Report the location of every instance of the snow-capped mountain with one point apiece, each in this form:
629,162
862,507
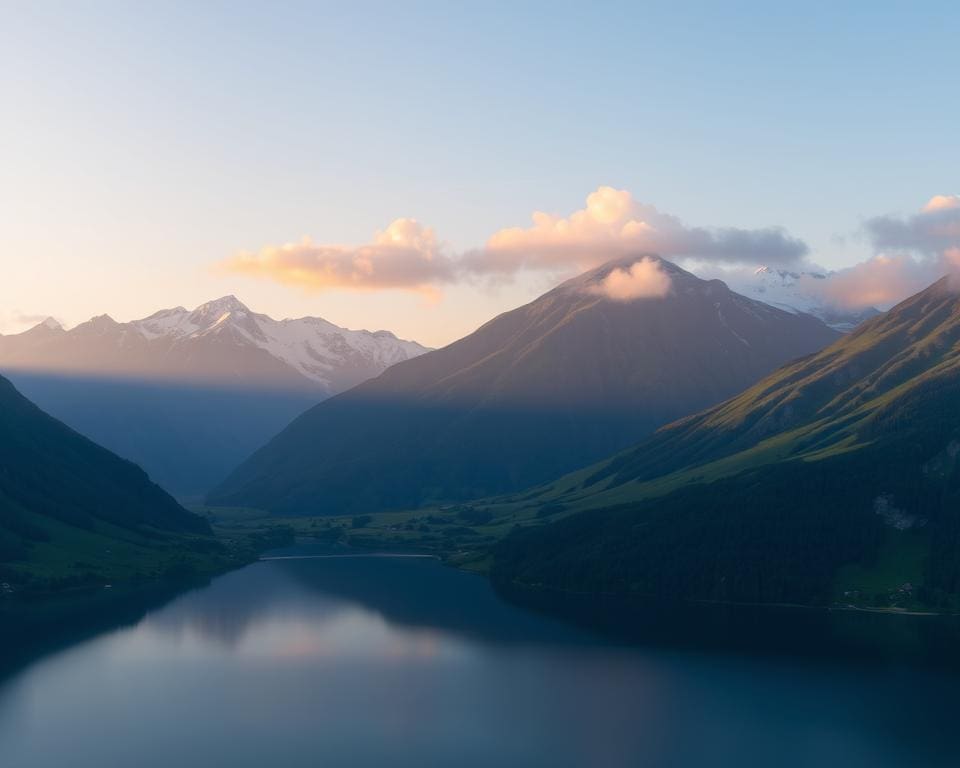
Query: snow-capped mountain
800,292
221,341
190,394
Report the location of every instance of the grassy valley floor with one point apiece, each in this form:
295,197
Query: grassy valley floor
464,536
105,557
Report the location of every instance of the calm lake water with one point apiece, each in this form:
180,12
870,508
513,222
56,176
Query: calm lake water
373,661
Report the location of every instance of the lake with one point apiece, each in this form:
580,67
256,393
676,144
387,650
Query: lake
399,661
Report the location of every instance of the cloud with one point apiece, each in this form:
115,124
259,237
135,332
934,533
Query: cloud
644,279
910,253
406,255
16,321
931,232
24,318
942,203
613,224
880,282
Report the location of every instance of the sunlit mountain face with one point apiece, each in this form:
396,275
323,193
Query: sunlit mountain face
189,394
221,343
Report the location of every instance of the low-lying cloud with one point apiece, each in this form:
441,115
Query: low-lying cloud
878,282
408,255
912,252
644,279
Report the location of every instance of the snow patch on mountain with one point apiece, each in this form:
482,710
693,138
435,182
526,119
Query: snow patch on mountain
797,292
312,346
219,340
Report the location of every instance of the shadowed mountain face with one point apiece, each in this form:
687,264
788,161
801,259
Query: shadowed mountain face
535,392
837,475
55,484
189,394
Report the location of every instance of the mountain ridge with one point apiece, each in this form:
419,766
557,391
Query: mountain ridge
573,370
188,394
220,341
836,477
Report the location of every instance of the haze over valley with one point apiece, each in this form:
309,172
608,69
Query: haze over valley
189,394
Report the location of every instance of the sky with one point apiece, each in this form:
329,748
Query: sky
380,164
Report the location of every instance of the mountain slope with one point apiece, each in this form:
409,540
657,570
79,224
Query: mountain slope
536,391
57,486
841,463
188,395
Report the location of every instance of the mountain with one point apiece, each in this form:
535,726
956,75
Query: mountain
836,478
69,507
584,370
798,292
189,394
221,342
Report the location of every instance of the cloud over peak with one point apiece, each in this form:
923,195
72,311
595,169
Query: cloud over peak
644,279
408,256
613,224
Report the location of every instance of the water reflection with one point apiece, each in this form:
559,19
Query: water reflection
401,591
372,662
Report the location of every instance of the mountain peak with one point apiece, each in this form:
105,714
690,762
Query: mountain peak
596,276
229,303
101,322
50,324
798,292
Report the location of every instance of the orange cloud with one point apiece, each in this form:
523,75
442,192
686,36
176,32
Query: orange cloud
613,224
879,282
913,252
406,256
942,203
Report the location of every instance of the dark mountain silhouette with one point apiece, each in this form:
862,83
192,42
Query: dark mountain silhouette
63,495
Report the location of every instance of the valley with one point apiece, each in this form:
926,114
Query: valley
536,385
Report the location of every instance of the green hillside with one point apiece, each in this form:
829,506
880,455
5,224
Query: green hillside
832,480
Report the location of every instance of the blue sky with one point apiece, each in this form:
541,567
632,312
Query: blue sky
142,145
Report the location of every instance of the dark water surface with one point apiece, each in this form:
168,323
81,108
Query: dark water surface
373,661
